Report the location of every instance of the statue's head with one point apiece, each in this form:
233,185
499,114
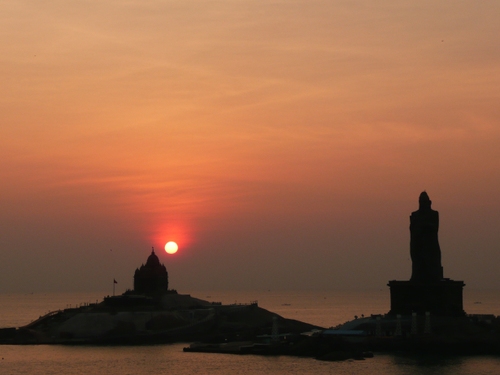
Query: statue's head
424,200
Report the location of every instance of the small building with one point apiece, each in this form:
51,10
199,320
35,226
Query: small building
152,277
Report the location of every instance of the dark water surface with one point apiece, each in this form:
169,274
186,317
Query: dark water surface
169,359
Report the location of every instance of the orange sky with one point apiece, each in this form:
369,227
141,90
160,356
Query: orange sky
283,144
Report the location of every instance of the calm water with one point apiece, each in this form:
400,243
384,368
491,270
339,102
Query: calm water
321,308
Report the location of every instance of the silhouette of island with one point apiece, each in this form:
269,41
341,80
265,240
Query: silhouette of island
151,313
426,316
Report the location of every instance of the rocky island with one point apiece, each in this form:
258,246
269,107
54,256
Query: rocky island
151,313
426,315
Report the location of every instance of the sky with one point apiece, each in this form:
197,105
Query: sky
282,144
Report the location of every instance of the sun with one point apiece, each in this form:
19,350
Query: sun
171,247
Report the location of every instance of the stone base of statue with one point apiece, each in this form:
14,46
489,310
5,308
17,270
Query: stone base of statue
442,298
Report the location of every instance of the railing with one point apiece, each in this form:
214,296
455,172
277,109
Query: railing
40,319
251,303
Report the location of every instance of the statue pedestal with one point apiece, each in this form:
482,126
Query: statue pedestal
443,298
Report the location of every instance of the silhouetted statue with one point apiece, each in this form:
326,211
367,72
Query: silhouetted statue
424,245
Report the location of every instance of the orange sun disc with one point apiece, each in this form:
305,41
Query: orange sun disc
171,247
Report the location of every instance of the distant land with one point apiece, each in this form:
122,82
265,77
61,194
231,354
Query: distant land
426,315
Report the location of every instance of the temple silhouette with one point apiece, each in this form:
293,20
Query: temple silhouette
427,291
152,277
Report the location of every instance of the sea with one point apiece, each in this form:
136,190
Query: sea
322,308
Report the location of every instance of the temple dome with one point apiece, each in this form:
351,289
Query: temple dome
153,260
152,277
